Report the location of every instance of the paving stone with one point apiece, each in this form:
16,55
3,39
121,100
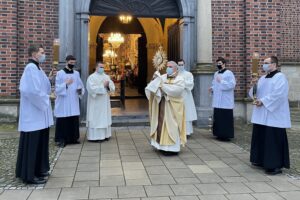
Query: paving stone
184,198
159,191
156,198
113,171
63,173
90,153
85,183
110,156
292,195
234,179
232,188
209,178
59,182
88,167
182,173
260,187
267,196
223,172
193,161
15,194
132,165
240,197
152,162
161,179
112,181
45,194
175,165
200,169
216,164
187,180
87,176
110,163
144,181
66,164
185,190
255,177
88,160
157,170
135,174
210,189
128,158
131,191
69,157
103,192
212,197
74,193
283,186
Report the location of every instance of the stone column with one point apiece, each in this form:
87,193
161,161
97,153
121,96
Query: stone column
84,58
203,72
66,29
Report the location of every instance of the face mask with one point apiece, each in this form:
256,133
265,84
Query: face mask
101,70
42,58
266,67
219,67
181,68
169,70
71,66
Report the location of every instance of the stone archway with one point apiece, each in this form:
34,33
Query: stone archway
74,28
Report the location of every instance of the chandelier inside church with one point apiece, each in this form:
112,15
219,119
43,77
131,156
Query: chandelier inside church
115,39
125,19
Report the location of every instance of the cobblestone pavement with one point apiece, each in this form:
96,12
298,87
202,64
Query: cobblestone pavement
126,167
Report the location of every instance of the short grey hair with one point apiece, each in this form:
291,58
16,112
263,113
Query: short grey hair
173,63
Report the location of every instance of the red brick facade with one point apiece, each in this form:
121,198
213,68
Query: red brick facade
240,27
24,22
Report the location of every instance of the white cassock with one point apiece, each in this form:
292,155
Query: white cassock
35,104
273,92
67,98
167,115
190,109
98,107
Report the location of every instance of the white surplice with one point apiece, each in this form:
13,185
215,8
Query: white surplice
35,105
98,118
190,109
67,97
223,92
275,111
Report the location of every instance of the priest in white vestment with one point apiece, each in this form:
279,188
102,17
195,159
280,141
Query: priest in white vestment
222,90
270,118
190,109
35,119
98,119
68,89
166,110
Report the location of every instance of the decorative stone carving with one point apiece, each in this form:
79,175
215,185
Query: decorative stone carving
139,8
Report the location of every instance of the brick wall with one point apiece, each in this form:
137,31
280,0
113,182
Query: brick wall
290,18
241,27
36,22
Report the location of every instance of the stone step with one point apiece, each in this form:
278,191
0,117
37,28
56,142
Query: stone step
130,120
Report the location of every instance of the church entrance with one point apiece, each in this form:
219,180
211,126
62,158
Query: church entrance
125,36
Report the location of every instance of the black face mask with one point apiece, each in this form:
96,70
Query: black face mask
71,66
219,67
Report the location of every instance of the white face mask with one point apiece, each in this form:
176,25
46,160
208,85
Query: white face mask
42,58
181,68
266,67
101,70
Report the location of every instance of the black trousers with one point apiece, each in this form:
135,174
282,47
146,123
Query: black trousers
269,147
223,125
33,154
67,129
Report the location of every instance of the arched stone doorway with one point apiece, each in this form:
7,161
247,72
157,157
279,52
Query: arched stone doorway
74,31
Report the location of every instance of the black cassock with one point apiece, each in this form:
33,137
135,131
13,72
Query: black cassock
67,130
223,125
33,154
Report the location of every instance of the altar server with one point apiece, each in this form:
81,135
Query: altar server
270,118
68,89
35,118
189,104
166,110
99,86
222,90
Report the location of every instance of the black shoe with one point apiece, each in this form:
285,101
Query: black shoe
169,153
273,171
107,139
44,174
36,180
